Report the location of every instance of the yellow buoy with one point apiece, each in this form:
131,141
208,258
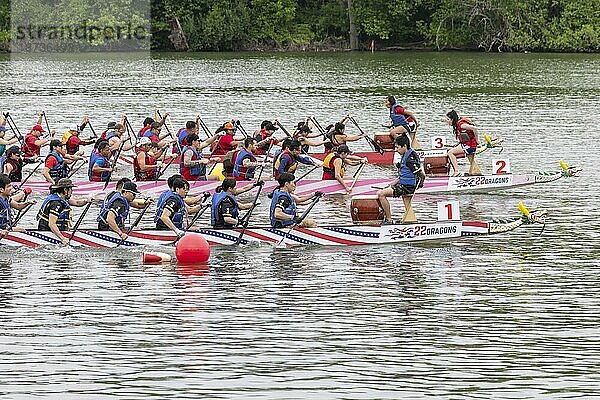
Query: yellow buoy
523,209
487,138
564,165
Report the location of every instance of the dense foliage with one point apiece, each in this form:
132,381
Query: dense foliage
490,25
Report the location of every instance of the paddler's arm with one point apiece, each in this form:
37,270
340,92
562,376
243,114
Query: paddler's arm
19,205
411,115
472,128
98,168
337,166
420,177
248,187
165,217
112,223
211,140
80,202
52,219
306,199
139,203
39,121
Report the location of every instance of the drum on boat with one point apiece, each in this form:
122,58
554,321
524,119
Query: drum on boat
439,165
366,209
384,140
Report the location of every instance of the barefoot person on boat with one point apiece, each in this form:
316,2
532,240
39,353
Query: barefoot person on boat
171,208
467,134
334,165
55,212
114,212
284,202
403,121
410,178
225,208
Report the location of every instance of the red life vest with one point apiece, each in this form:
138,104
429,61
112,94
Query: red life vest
29,149
465,136
140,175
329,167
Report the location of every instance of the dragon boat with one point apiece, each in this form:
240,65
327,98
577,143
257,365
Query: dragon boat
335,235
444,184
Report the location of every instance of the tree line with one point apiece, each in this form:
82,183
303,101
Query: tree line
487,25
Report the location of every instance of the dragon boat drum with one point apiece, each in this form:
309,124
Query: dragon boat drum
366,209
384,140
439,165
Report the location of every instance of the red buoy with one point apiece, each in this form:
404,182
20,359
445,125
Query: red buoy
155,258
192,249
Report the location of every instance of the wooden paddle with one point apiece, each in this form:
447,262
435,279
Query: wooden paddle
76,227
174,137
115,164
47,125
136,222
357,174
373,143
299,220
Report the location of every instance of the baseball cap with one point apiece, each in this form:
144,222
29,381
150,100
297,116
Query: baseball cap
270,127
130,187
38,128
144,140
74,128
228,125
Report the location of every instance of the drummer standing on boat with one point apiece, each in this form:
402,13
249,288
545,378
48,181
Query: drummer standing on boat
410,178
403,121
467,134
55,212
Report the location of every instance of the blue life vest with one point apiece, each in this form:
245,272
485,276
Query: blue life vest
290,210
120,219
397,119
2,149
238,168
64,219
95,176
60,170
405,175
196,169
216,219
111,134
176,218
5,213
2,161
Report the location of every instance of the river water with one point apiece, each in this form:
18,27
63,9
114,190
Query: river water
508,316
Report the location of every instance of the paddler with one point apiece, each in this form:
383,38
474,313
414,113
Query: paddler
403,121
224,212
140,204
467,134
156,137
72,140
227,142
7,204
284,202
192,163
55,212
334,165
191,127
337,136
56,165
171,208
115,139
145,166
287,160
245,161
147,124
3,141
115,210
264,137
410,178
33,141
99,168
13,164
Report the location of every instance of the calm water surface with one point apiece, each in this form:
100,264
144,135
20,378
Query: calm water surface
508,316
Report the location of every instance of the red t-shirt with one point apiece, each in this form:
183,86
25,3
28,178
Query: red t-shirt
29,148
51,162
224,145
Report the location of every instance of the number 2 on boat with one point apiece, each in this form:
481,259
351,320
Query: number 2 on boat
500,166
